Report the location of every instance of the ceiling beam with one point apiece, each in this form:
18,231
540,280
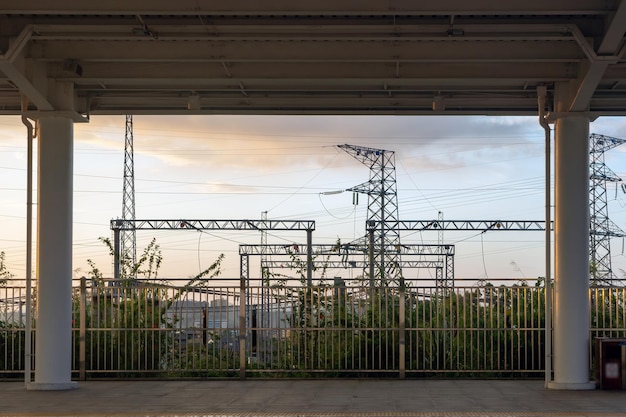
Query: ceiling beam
307,51
598,64
614,35
302,7
588,86
17,77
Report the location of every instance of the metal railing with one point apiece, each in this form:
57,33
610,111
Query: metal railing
148,330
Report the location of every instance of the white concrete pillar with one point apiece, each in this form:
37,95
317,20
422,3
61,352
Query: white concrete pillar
53,343
571,228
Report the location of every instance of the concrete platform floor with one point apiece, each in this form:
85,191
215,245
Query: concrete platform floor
310,398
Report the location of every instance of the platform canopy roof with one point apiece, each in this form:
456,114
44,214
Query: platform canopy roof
310,56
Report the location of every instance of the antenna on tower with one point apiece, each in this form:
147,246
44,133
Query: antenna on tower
128,238
601,228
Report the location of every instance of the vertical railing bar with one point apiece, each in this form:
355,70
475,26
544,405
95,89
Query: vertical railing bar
611,302
384,333
130,332
530,325
530,328
402,334
491,326
120,332
601,311
299,346
389,335
316,295
541,334
499,327
322,329
495,334
278,332
623,321
473,325
95,326
321,332
380,326
457,333
129,327
82,305
521,324
349,313
142,336
502,329
432,326
151,334
447,315
308,329
466,323
507,333
242,327
154,323
111,326
515,329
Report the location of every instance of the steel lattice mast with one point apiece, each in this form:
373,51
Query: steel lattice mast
382,208
128,238
601,228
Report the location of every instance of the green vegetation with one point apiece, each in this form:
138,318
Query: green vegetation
11,334
11,349
355,331
5,275
129,331
491,331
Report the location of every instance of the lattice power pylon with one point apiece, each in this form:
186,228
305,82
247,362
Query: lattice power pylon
601,228
128,238
382,208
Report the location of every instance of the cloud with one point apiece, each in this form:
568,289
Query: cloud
268,143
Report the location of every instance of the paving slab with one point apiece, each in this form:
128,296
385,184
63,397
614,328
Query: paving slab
310,398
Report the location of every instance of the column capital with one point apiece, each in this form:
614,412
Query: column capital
67,114
552,117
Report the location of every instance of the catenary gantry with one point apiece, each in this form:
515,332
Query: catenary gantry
226,224
118,225
478,225
446,252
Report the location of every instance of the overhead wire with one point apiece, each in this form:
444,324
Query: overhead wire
331,214
306,183
482,245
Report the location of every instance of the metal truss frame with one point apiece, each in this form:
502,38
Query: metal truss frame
119,225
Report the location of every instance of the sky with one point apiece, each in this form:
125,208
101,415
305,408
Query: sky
236,167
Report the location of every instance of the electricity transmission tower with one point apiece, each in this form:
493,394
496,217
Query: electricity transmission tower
602,229
382,210
128,238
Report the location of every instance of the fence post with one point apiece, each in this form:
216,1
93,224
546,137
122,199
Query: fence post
82,305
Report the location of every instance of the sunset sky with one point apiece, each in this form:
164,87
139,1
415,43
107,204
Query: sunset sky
235,167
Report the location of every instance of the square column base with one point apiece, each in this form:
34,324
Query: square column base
51,386
572,386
